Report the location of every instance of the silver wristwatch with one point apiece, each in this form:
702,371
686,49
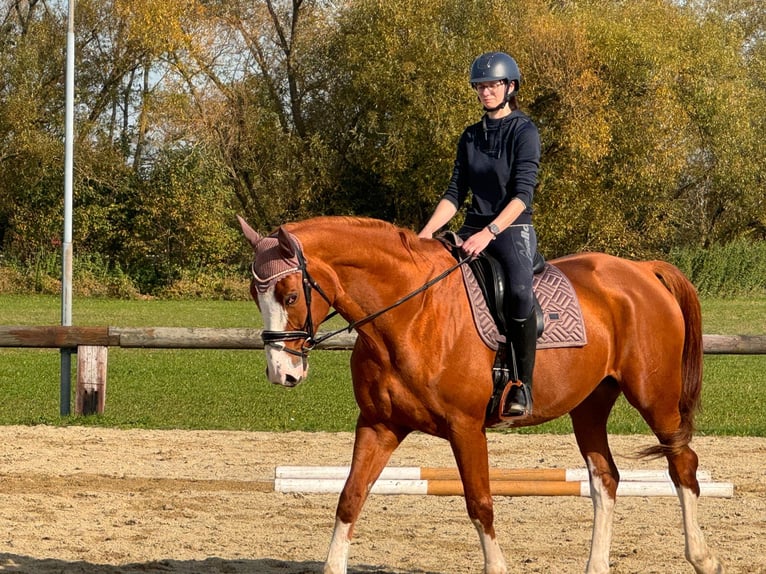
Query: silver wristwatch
493,229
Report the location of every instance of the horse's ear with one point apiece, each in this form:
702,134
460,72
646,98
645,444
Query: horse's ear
251,234
286,244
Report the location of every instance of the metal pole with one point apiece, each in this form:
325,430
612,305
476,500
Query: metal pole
66,263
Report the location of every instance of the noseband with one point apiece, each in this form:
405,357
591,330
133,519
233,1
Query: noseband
307,333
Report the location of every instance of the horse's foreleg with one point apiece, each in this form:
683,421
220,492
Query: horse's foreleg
603,489
470,449
372,448
337,554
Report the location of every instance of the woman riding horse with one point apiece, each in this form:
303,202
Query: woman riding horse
497,160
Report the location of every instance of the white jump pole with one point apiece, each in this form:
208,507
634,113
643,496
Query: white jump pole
437,473
498,487
65,384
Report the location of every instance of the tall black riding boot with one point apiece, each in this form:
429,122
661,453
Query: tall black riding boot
522,335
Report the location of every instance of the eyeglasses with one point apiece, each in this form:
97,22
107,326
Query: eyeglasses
491,86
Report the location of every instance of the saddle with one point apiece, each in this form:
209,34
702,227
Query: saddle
490,280
559,318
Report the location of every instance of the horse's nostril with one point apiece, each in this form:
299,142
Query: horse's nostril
291,380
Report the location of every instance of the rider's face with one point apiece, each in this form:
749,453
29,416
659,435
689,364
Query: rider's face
491,94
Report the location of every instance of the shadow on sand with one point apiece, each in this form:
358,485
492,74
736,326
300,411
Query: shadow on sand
13,563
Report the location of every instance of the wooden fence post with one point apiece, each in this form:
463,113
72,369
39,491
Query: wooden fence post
90,396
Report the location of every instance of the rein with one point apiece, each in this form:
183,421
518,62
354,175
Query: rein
307,334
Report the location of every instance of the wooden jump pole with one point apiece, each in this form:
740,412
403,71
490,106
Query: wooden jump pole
440,481
503,474
498,487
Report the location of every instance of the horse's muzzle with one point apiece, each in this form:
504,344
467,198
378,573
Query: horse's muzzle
283,368
289,381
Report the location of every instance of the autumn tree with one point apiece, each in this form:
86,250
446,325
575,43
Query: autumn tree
131,175
724,187
631,99
651,116
244,80
30,136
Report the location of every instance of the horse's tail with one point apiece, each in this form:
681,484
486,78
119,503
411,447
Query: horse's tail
691,367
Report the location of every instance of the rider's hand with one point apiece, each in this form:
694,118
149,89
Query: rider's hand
477,242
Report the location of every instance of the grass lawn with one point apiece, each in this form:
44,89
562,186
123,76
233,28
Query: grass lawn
227,389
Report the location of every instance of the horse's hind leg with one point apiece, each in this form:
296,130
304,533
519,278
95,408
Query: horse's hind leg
697,551
589,424
682,465
373,446
663,417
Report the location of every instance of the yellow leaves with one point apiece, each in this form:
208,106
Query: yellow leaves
159,26
557,62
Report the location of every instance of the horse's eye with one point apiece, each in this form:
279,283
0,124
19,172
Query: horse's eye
291,299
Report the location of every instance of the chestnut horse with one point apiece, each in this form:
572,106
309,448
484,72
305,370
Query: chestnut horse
420,364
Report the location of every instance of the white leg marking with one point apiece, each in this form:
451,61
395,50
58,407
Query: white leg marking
603,520
698,553
337,555
494,562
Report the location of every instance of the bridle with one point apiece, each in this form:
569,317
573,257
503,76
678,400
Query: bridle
307,333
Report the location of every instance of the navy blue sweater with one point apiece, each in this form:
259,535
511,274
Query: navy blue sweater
497,160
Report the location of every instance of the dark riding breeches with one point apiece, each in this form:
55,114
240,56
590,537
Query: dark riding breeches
514,248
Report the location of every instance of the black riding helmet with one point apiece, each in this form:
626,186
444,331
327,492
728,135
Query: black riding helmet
494,66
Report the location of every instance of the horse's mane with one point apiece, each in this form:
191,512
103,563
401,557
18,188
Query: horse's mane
343,220
339,224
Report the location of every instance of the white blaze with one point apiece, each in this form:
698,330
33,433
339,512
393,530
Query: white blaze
281,368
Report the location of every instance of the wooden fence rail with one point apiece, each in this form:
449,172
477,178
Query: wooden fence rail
92,344
57,337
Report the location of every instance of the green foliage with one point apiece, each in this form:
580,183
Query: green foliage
734,269
651,115
181,221
31,131
402,92
95,276
203,284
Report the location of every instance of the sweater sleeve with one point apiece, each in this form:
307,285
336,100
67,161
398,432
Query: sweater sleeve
457,189
526,163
